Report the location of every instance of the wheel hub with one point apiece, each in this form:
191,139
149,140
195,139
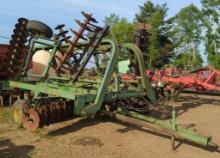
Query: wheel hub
16,114
31,120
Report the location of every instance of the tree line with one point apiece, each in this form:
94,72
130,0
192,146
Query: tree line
183,40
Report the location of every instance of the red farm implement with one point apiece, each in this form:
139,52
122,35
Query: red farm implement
206,79
200,80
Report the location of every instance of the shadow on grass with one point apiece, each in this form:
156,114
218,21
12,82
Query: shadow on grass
8,149
190,102
82,123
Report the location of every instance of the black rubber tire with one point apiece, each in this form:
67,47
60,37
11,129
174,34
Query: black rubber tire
18,105
38,27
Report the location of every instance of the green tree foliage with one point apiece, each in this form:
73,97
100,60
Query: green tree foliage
187,34
183,61
160,46
147,10
112,19
211,17
121,31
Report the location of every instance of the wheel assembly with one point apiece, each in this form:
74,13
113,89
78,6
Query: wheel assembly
17,112
43,113
31,120
52,111
37,27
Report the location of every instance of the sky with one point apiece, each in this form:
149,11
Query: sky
54,12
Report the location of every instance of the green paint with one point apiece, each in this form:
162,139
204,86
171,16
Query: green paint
145,82
123,66
178,131
94,107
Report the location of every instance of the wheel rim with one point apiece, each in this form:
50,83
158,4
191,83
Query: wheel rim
16,115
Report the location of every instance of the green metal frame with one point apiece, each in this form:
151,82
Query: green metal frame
90,95
45,43
145,82
170,128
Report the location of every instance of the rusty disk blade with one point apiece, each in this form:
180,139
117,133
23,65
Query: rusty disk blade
89,17
62,33
23,21
32,120
46,115
41,115
59,27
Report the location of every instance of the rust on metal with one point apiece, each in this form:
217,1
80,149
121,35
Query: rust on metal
31,120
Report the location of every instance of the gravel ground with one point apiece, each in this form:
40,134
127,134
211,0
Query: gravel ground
109,139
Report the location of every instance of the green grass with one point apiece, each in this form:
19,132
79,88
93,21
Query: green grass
31,153
4,114
2,138
5,120
42,133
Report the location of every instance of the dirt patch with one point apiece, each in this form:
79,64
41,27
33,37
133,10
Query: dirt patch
88,141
